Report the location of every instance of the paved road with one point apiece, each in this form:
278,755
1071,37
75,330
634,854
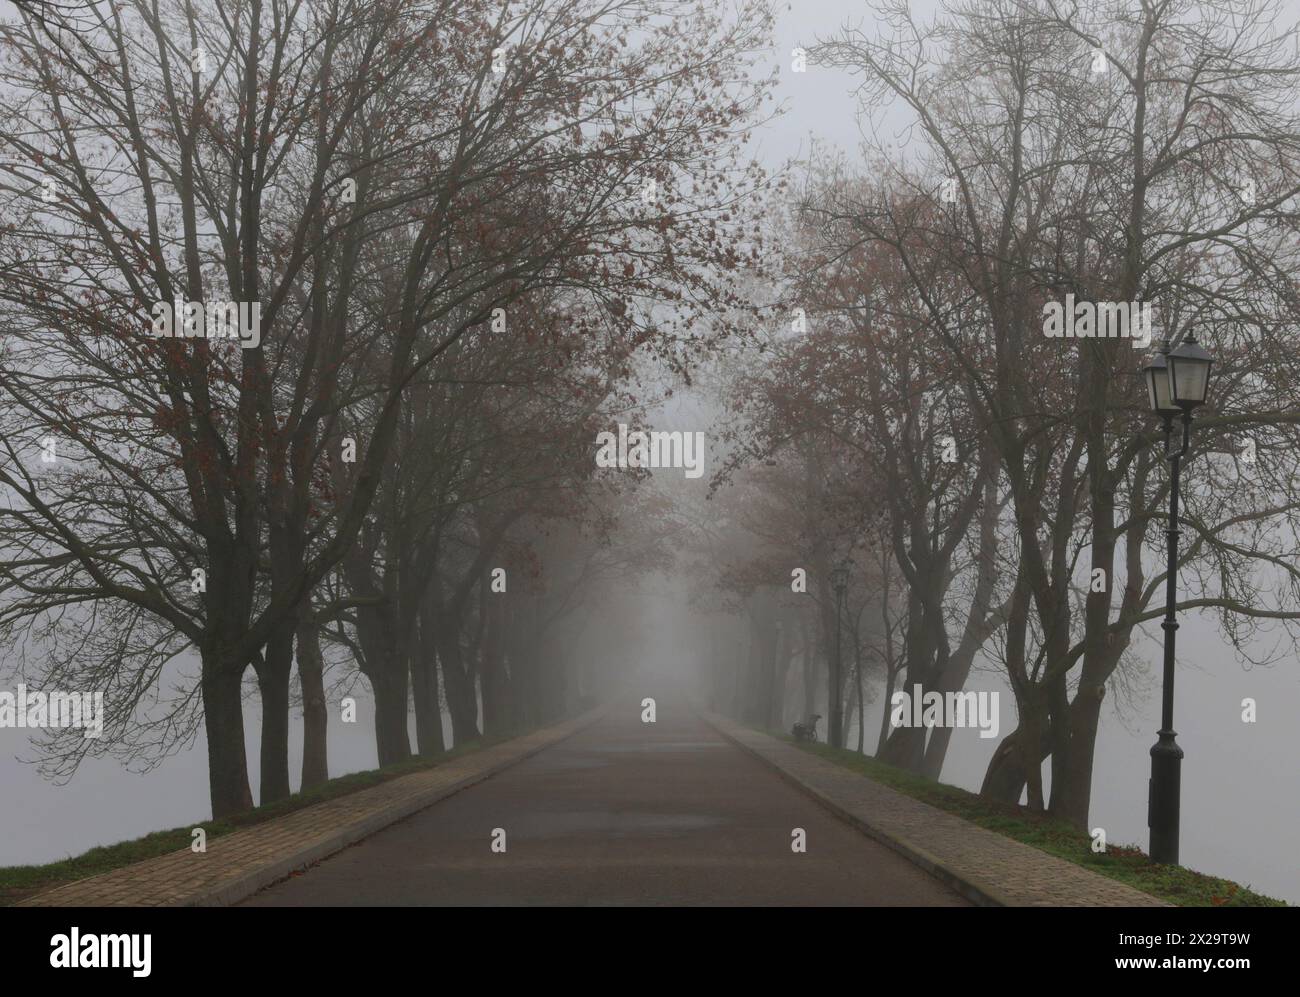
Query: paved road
620,813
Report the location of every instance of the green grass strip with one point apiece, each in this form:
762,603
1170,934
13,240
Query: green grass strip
1127,864
20,881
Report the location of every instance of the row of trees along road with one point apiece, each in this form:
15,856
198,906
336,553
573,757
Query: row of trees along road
465,224
461,220
1000,495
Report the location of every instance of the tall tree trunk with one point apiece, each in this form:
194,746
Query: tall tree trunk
1071,773
386,668
522,660
762,674
811,655
1005,778
391,738
505,667
429,740
952,679
982,621
315,713
492,677
461,701
1032,718
274,675
936,750
776,719
1057,709
223,721
1017,761
891,677
905,746
1009,770
1084,717
862,714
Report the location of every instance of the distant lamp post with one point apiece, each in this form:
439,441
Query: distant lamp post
1178,381
840,582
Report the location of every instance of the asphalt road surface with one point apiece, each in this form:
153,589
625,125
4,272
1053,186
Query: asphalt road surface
621,813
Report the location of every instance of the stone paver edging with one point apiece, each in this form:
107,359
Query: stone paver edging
985,867
237,865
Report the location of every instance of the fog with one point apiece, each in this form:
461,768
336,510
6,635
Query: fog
673,615
1240,807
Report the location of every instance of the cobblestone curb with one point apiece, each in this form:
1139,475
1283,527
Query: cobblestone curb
237,865
985,867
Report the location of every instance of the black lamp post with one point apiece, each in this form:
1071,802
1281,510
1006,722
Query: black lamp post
1178,381
840,582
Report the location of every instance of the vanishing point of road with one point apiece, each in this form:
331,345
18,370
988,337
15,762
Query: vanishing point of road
620,813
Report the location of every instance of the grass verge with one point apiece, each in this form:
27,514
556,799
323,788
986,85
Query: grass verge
1125,863
20,881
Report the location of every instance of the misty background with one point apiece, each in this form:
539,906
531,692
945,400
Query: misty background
1240,804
